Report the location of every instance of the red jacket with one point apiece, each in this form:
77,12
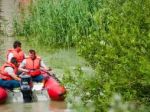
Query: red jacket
4,75
18,55
33,66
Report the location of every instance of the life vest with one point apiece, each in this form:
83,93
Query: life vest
33,66
18,55
4,75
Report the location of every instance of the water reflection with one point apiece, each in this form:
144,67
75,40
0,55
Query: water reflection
58,106
51,106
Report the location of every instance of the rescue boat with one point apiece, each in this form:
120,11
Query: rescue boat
52,89
3,95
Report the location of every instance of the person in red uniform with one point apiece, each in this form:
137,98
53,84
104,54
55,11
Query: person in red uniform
16,52
8,75
32,66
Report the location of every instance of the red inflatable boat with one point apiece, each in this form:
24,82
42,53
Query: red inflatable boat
55,90
3,95
52,85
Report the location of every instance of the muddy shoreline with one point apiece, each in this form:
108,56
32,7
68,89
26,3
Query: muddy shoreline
8,9
0,17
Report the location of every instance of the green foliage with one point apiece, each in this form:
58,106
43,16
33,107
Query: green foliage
119,49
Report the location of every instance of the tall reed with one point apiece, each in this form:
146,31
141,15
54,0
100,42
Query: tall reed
58,22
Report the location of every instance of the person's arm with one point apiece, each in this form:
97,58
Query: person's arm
22,65
10,56
14,76
25,56
10,71
43,66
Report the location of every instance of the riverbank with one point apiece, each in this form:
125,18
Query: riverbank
7,13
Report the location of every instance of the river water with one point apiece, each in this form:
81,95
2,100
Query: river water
8,9
50,106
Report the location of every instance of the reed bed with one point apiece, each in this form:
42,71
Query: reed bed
57,22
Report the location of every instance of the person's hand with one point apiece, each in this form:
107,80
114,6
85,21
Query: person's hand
27,71
18,78
51,72
48,69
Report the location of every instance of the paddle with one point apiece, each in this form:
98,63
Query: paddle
51,74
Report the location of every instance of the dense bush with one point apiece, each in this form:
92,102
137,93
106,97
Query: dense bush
119,49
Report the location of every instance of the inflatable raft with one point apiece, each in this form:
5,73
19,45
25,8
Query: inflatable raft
51,89
3,95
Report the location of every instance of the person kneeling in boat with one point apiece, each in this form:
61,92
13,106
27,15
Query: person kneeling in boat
8,77
32,65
